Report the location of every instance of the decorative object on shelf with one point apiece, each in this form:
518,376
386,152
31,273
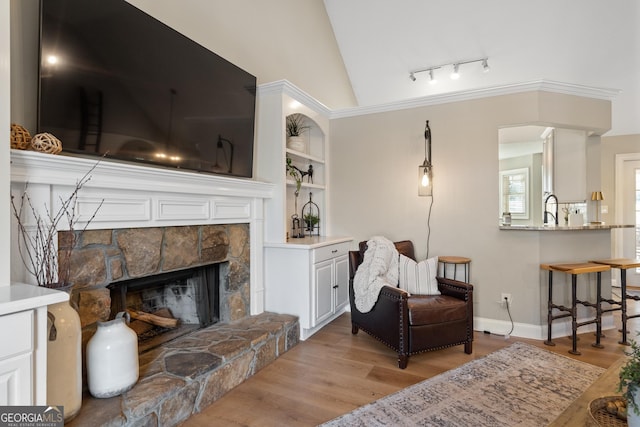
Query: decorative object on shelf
629,384
296,230
64,356
20,137
295,124
112,358
425,172
311,217
597,197
46,143
37,235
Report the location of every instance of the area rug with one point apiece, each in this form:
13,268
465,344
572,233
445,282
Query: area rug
520,385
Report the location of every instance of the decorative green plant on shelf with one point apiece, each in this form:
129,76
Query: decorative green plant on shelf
311,220
296,125
295,173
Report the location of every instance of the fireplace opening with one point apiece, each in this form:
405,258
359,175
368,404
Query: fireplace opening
168,305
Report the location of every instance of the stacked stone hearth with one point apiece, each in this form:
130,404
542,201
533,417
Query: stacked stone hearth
184,375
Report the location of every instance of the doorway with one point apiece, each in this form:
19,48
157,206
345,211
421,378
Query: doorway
628,211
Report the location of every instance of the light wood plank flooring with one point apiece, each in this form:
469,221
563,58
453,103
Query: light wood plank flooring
334,372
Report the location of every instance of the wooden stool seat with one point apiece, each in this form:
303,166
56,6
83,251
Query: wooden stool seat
455,261
580,268
575,269
623,264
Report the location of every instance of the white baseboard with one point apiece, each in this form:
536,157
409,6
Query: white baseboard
560,327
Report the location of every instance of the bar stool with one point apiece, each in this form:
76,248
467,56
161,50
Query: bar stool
455,260
623,264
574,270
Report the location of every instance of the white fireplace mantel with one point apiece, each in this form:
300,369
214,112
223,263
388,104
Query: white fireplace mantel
142,196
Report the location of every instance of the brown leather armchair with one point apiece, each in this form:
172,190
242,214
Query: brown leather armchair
417,323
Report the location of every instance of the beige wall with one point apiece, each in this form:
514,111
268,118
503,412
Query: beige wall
374,160
273,40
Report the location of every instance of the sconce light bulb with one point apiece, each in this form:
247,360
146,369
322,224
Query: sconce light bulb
425,179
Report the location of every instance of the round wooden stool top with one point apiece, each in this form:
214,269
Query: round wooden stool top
621,263
454,259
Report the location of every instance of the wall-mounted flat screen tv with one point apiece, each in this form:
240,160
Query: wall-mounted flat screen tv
117,82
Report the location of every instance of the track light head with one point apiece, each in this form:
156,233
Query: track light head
455,75
485,65
412,77
432,79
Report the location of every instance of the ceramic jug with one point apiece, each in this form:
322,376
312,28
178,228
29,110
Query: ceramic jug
112,358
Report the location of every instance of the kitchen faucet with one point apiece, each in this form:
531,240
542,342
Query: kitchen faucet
547,213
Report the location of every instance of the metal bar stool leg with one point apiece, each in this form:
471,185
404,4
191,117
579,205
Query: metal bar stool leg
574,316
623,301
598,311
550,310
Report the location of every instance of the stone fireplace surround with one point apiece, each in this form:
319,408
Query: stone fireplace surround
178,219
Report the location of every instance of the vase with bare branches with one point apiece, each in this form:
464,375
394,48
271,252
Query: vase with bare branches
50,265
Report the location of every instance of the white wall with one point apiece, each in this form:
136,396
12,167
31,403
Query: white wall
374,160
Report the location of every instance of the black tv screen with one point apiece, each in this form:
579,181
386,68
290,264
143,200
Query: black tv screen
115,81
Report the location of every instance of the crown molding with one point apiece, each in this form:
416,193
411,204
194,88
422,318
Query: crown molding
286,87
537,85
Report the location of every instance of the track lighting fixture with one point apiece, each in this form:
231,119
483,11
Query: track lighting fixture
456,69
455,75
485,66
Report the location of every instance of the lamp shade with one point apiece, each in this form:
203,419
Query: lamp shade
597,195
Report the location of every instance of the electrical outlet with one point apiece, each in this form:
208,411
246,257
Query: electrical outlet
506,297
604,209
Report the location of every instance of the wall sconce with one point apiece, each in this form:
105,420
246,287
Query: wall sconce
597,197
456,69
425,170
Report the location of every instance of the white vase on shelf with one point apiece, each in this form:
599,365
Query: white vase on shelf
296,143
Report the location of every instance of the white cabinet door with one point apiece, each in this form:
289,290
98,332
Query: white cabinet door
341,281
16,380
323,274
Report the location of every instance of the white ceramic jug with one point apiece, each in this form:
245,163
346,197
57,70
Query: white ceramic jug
112,358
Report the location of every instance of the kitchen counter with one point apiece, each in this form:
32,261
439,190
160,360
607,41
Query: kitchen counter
564,227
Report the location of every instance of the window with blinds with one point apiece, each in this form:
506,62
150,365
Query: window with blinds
514,192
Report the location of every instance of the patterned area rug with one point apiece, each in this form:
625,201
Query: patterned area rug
518,385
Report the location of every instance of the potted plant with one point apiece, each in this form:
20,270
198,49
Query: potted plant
630,384
311,220
296,126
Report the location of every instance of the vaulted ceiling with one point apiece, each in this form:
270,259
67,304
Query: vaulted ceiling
591,43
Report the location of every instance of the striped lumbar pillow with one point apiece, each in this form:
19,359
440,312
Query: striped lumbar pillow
418,277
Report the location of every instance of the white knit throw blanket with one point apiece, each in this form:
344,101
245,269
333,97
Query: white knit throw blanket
379,268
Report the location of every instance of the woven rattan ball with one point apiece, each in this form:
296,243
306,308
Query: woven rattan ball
20,137
46,143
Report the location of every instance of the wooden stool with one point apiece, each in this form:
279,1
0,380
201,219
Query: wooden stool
455,260
574,270
623,264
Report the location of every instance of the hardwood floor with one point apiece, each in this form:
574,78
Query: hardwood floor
334,372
